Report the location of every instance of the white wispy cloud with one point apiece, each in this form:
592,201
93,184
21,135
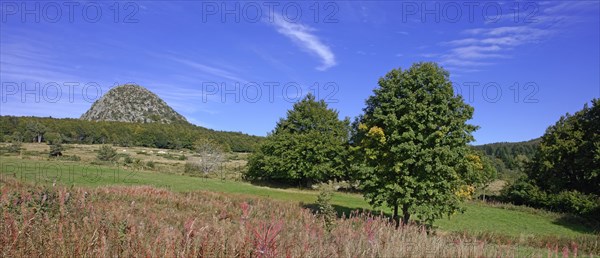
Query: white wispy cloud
478,52
46,84
484,46
303,36
487,45
32,61
208,69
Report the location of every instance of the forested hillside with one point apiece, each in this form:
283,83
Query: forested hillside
171,136
510,156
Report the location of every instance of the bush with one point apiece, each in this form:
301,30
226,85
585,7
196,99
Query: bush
14,147
150,164
52,138
55,150
325,209
191,168
576,202
127,159
107,153
523,192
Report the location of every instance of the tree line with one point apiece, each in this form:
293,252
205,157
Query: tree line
510,158
154,135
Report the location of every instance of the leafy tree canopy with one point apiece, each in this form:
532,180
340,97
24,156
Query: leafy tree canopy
569,153
308,146
412,139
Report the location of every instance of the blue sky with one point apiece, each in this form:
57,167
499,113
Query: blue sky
520,64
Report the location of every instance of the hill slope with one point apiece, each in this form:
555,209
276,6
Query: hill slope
510,153
134,104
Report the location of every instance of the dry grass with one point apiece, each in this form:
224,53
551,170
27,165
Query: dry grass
151,222
87,153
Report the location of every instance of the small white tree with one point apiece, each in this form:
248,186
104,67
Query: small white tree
211,156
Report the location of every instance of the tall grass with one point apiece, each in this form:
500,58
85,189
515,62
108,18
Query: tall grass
140,221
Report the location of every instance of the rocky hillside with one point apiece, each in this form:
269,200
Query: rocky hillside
134,104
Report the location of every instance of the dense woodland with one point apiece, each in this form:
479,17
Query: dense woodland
510,158
156,135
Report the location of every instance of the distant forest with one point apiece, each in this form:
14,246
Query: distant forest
510,156
155,135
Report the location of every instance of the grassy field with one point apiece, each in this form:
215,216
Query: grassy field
477,218
505,222
142,221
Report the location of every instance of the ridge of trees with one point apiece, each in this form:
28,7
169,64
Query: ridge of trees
510,158
155,135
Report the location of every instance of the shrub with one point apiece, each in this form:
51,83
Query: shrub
127,159
14,147
325,209
192,168
52,138
55,150
107,153
575,202
150,164
523,192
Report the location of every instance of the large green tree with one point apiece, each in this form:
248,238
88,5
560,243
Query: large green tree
36,130
411,142
569,154
308,146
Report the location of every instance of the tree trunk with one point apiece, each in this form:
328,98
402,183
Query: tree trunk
395,218
483,194
39,138
405,215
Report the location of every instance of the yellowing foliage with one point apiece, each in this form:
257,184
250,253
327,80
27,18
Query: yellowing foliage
465,191
475,160
377,133
362,127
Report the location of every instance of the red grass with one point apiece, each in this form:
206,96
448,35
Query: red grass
151,222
